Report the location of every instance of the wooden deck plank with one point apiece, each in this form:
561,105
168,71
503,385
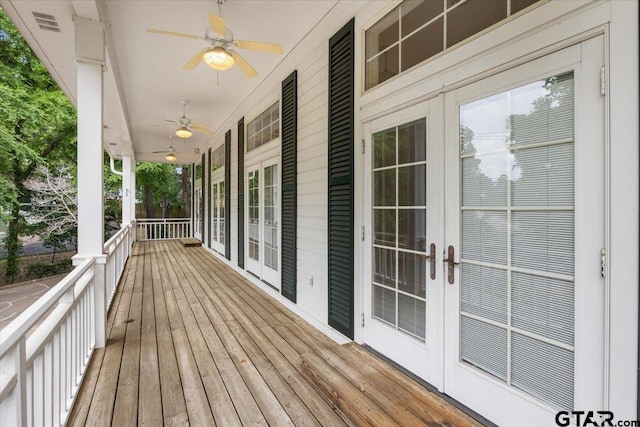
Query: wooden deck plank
279,402
174,407
245,405
125,411
103,397
397,401
80,411
196,399
278,352
150,400
197,328
209,348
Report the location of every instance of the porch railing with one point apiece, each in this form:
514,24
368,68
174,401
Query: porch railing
163,228
44,352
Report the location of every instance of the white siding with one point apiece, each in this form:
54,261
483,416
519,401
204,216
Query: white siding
310,59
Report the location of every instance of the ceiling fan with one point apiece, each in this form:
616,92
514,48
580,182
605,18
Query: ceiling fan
185,126
172,154
219,54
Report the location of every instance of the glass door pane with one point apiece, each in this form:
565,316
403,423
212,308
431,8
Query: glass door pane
214,212
517,237
254,215
399,204
271,216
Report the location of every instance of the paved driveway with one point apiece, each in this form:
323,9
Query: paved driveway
16,298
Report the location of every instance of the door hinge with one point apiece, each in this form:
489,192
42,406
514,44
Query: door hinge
603,262
362,233
363,146
362,320
602,81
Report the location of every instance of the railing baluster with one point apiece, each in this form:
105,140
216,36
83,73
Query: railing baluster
48,384
56,379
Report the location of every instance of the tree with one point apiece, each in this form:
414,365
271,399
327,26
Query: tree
37,123
54,200
159,184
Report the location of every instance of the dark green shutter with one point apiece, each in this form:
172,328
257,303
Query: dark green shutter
289,183
340,215
208,198
193,199
241,193
202,186
227,194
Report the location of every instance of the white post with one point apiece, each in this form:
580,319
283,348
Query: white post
127,191
132,199
90,60
90,55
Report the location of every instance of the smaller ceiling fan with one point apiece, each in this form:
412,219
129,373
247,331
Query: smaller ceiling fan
185,126
218,54
172,154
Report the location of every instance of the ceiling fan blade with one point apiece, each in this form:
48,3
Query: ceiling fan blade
171,121
158,152
259,46
193,62
201,128
173,33
217,24
246,68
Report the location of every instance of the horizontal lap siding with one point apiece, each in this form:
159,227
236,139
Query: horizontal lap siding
311,59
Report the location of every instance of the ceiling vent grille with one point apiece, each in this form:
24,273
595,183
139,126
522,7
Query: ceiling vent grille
46,22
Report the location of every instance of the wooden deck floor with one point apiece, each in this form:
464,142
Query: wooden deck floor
191,342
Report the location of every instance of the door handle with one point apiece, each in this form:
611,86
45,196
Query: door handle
450,260
432,261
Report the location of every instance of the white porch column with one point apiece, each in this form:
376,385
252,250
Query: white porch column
90,60
90,56
132,199
127,191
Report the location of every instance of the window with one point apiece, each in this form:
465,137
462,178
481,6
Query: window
264,128
217,159
418,29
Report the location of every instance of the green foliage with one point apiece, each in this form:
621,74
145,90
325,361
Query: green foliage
37,124
159,185
46,269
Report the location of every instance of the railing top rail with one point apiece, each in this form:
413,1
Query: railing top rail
143,220
15,330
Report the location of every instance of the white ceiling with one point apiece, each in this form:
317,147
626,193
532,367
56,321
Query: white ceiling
144,79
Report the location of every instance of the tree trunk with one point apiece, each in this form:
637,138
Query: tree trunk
186,191
148,200
12,244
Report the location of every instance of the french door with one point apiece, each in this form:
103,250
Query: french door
403,309
199,213
512,197
263,236
217,213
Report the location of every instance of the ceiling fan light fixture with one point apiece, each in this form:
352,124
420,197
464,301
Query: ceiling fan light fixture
218,58
183,132
171,157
